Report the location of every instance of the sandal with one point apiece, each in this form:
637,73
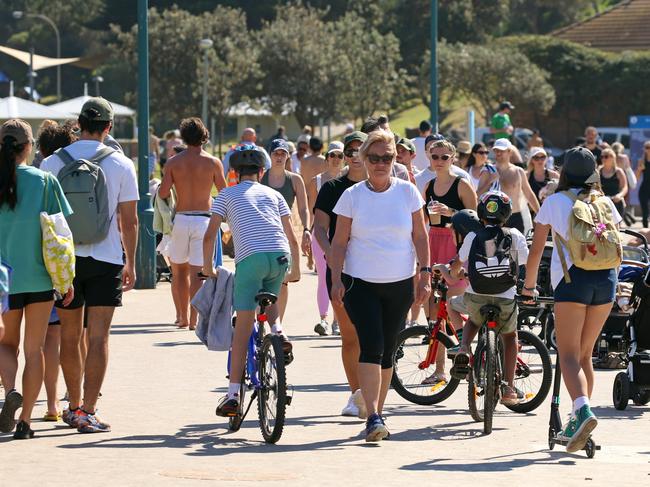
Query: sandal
509,396
461,367
52,417
435,378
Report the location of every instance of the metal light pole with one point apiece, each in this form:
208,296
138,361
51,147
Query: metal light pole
205,45
434,64
97,80
146,252
19,14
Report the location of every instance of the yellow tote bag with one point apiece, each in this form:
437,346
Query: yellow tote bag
58,246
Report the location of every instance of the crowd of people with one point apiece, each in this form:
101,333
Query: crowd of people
372,197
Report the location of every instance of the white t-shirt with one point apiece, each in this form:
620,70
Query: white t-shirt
295,163
381,243
555,211
427,174
519,250
122,186
420,162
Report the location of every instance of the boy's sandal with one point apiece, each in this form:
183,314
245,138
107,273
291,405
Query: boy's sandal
461,367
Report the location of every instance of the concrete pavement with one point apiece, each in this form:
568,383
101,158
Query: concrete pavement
162,388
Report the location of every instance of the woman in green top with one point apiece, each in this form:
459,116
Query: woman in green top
22,192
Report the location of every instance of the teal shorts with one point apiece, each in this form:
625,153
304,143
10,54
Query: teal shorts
259,272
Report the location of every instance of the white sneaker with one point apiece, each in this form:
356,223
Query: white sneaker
350,408
335,328
357,397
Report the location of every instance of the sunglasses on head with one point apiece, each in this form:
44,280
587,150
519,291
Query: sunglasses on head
483,152
444,157
376,158
350,152
337,155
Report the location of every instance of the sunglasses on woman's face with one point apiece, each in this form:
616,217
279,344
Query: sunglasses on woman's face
647,148
606,156
337,155
539,157
444,157
351,152
376,158
482,152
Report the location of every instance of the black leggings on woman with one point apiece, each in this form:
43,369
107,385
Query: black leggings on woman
644,199
378,311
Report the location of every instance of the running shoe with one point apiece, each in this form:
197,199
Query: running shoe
360,404
350,408
335,328
461,366
322,328
23,431
228,407
13,401
435,378
578,430
287,346
71,417
375,429
90,423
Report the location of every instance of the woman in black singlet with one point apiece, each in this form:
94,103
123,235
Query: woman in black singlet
643,167
538,175
613,180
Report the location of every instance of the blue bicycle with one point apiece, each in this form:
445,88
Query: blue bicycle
265,375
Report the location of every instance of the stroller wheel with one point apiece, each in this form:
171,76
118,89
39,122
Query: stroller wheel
642,398
621,391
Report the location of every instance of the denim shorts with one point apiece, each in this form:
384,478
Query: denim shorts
591,288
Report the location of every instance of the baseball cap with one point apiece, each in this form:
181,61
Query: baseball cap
335,146
425,125
356,135
537,150
464,147
502,144
279,144
506,104
580,166
407,144
97,109
432,138
18,129
303,138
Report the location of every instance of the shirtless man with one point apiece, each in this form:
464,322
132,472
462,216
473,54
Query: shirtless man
192,173
514,183
314,163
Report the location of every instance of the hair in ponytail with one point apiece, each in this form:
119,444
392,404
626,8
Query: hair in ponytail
8,178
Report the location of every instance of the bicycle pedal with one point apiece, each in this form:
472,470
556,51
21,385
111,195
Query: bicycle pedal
289,398
288,358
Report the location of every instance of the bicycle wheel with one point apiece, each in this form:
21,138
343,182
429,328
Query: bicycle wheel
408,373
476,386
484,381
272,396
533,372
493,380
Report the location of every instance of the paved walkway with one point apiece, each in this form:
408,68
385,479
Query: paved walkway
163,386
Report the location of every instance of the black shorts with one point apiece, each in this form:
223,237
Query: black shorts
21,300
516,221
96,283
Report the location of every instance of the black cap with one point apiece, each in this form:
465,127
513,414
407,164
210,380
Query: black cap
425,125
506,104
432,137
580,166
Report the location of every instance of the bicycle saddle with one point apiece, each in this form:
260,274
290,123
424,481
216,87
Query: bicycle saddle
265,299
490,311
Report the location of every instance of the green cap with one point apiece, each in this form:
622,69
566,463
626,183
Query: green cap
97,109
360,136
407,144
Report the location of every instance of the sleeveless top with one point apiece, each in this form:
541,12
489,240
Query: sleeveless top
286,190
610,185
535,185
646,175
495,186
450,198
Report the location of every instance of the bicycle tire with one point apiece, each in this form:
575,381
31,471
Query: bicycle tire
492,382
533,402
401,383
476,386
272,388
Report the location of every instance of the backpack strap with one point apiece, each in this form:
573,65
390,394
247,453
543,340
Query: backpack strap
65,156
559,248
102,154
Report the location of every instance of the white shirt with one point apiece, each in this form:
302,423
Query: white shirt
122,186
381,244
420,162
555,211
295,163
427,174
519,250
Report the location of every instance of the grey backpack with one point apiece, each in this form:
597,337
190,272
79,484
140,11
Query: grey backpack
84,185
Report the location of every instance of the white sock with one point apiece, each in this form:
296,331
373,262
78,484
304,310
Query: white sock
233,390
276,327
579,402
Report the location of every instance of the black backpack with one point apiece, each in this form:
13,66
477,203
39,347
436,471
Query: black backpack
496,273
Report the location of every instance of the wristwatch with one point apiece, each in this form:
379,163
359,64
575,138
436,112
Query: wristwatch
531,289
426,269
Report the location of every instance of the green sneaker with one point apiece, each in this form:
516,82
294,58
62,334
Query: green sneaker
578,430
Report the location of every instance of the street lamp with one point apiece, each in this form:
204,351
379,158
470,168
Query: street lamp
19,14
205,45
97,79
434,64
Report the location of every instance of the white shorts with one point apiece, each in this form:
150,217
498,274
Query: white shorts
186,244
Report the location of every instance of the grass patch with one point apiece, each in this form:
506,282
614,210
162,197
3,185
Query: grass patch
409,118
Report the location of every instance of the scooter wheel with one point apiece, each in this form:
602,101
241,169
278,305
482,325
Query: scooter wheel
590,448
551,439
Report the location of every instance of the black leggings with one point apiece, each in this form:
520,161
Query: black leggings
644,199
378,311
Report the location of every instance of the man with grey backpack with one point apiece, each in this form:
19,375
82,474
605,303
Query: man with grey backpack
101,185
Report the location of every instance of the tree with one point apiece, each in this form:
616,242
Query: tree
487,74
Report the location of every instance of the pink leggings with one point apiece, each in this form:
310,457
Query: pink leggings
321,267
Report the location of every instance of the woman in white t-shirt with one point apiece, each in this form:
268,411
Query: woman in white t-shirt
380,232
581,305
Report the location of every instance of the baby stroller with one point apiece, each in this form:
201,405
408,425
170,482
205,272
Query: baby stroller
634,383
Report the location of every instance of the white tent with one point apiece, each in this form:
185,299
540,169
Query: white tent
14,107
74,106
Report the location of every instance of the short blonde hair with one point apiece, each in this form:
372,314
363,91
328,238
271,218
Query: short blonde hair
444,143
618,148
378,136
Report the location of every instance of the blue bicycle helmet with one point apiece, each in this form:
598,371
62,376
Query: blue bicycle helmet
630,273
247,155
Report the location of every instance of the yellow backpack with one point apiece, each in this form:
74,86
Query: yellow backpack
594,242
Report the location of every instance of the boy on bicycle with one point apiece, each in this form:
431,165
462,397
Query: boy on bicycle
492,255
260,223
